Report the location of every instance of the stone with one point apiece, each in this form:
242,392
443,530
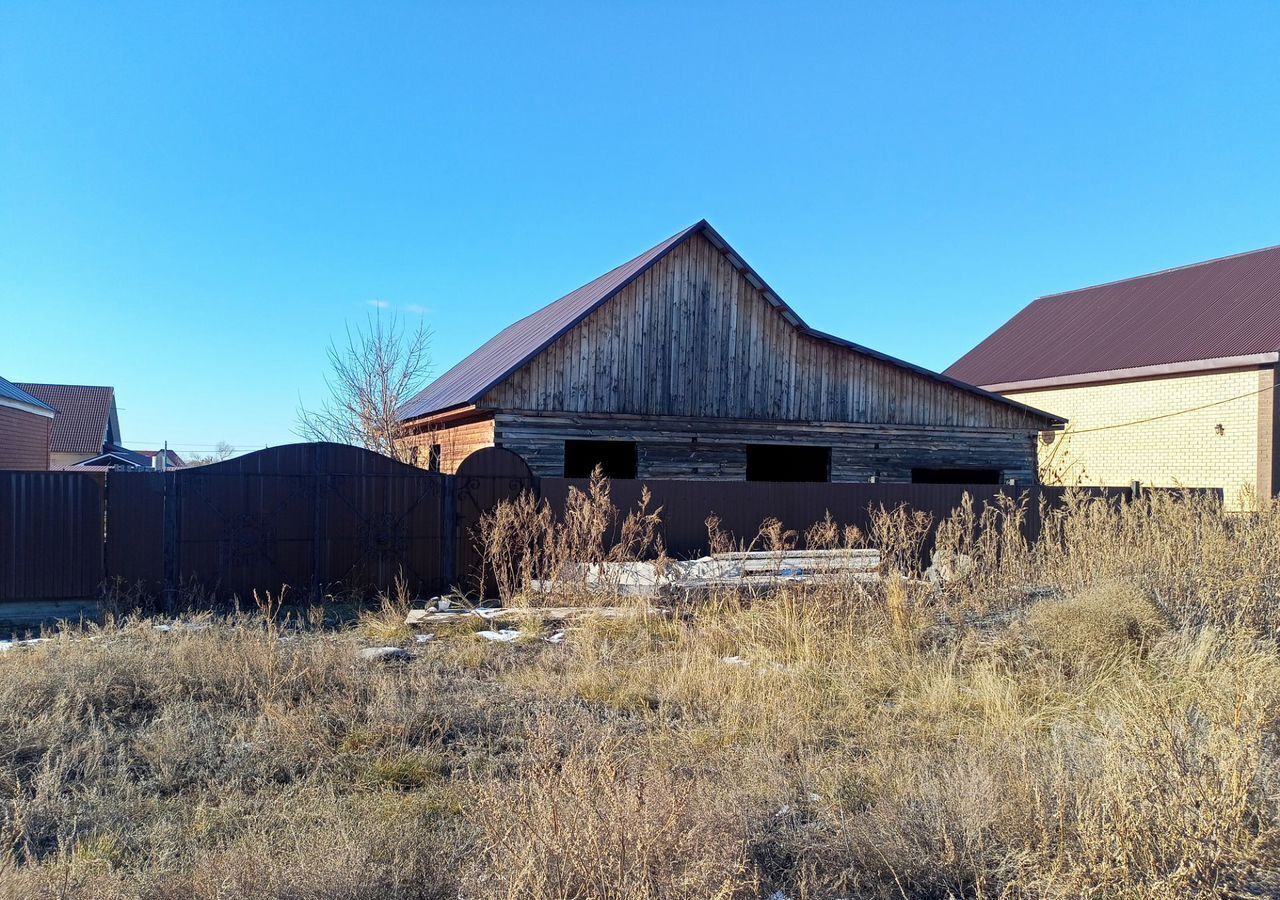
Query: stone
385,654
949,568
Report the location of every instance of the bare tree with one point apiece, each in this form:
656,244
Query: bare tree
222,451
380,367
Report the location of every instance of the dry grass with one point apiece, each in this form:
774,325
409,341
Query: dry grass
1095,716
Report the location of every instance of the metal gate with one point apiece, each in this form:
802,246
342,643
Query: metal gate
316,517
484,479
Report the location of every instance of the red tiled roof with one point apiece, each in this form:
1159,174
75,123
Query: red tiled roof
1220,310
84,413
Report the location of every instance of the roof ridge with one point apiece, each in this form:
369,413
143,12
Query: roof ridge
57,384
1194,265
682,233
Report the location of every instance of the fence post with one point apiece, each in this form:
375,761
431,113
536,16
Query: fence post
449,530
317,521
172,568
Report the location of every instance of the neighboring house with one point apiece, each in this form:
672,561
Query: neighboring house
683,363
163,459
120,458
1167,379
86,425
26,426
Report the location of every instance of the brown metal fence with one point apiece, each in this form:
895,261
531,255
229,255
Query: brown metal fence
315,517
742,507
51,530
326,517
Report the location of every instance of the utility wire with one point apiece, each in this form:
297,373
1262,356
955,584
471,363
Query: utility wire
1181,412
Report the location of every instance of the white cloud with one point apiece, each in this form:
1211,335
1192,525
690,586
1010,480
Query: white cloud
416,309
379,304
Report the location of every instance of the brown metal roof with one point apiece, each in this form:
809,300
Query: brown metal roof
1222,310
501,356
84,414
516,344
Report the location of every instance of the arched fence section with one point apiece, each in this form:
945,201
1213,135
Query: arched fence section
320,518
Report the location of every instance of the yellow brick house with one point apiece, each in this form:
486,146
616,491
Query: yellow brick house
1168,379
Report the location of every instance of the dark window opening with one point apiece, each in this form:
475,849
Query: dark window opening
433,458
616,458
788,462
955,476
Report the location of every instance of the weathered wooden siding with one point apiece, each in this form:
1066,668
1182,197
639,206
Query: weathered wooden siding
693,337
24,440
457,441
685,447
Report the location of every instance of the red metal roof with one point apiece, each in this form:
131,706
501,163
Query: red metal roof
1221,309
515,345
84,413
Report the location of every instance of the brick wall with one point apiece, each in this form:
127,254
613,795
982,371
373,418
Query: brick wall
1216,446
24,440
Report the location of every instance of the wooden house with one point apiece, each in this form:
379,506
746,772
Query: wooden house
684,363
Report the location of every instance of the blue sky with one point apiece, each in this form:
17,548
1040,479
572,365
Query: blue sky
195,197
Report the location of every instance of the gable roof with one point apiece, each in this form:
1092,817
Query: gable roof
505,353
173,460
18,397
116,455
85,413
1213,314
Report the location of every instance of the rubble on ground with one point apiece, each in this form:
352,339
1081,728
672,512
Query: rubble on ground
385,654
749,570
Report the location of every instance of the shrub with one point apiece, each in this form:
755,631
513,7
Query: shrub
1101,621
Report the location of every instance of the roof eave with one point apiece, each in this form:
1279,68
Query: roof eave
1185,367
448,414
983,392
37,408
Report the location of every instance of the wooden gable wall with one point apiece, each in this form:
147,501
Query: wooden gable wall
693,337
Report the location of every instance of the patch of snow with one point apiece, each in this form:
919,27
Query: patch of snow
13,645
504,635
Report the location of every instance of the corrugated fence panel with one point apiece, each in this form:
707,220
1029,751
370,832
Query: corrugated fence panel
375,527
743,506
135,528
51,532
315,517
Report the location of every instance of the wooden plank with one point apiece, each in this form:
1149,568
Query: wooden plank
692,337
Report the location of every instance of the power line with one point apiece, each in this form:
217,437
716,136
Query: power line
173,446
1180,412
